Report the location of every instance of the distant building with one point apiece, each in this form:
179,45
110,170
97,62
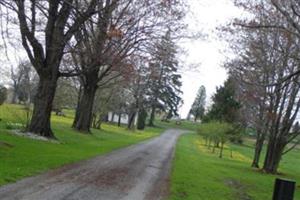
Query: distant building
114,117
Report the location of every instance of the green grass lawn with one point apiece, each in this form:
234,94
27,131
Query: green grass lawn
198,174
21,157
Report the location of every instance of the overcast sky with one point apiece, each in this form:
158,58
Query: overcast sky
206,16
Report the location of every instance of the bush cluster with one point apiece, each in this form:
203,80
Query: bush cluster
216,134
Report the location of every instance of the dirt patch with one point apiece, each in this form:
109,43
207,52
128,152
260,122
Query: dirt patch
112,178
6,145
239,189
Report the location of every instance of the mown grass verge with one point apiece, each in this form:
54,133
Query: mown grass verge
21,157
198,174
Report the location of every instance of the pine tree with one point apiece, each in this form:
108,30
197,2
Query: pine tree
165,81
225,107
198,107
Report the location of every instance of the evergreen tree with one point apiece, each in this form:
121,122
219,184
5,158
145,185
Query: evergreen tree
225,107
198,107
165,82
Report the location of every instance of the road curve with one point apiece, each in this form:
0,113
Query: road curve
134,173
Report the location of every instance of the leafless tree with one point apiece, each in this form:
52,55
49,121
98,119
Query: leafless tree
267,57
45,29
265,11
23,81
104,48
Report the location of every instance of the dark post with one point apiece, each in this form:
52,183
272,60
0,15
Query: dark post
284,189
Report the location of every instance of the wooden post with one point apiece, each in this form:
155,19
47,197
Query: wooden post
284,189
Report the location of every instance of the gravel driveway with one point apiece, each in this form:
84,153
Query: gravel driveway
134,173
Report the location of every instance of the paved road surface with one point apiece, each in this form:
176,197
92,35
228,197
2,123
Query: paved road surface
134,173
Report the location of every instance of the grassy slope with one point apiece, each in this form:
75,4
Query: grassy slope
206,177
27,157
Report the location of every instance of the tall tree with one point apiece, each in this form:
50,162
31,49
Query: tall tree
46,27
198,107
123,27
98,53
271,56
225,105
253,70
165,79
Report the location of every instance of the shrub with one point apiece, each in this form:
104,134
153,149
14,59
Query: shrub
216,134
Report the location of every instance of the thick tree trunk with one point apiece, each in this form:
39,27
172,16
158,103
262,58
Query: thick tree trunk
131,120
258,148
152,116
119,120
142,115
40,121
273,156
83,120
